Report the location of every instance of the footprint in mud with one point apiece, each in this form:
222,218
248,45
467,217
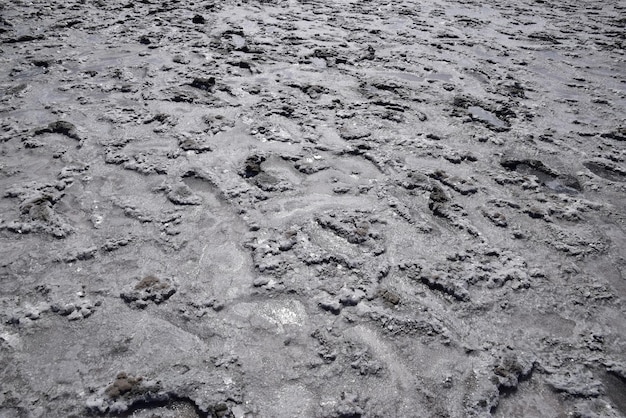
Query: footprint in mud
482,115
549,178
255,172
606,170
400,378
495,119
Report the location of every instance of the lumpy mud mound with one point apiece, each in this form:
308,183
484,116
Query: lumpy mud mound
138,397
148,289
123,385
122,393
60,127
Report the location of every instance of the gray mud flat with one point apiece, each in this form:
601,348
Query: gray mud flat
312,208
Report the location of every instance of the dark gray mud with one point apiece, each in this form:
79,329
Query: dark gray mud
312,208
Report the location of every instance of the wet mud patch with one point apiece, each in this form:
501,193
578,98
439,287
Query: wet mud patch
324,185
479,114
615,385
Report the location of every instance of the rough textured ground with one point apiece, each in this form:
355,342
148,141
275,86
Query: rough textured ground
312,208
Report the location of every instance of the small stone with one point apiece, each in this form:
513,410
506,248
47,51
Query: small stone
140,304
198,20
390,297
350,297
181,59
260,281
67,309
341,189
331,306
75,315
205,84
33,315
286,245
218,305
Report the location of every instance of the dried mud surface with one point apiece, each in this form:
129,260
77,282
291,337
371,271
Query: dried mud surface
312,208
